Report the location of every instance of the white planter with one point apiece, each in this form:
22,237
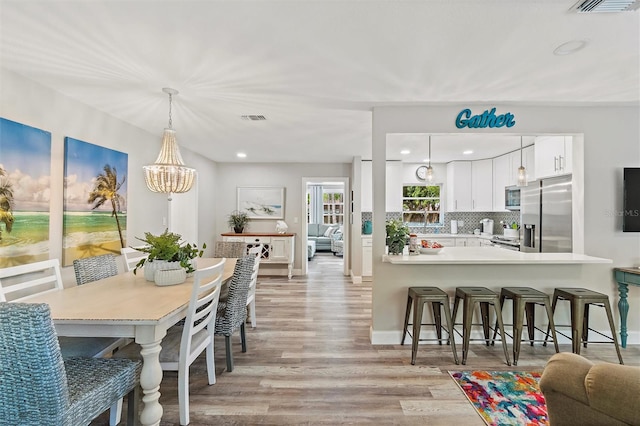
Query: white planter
150,268
170,277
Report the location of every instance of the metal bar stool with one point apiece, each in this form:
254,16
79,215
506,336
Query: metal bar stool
581,299
417,297
524,300
484,297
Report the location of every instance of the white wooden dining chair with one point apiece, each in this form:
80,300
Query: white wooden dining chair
18,283
251,295
182,345
132,257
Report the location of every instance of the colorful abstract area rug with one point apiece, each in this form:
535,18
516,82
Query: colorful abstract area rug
504,397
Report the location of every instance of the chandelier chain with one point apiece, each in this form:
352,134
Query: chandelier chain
170,116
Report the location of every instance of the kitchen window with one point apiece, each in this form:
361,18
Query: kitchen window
421,205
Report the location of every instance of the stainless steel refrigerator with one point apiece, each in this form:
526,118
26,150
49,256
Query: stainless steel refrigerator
545,216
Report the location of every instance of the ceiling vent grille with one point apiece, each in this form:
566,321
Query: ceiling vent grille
253,117
592,6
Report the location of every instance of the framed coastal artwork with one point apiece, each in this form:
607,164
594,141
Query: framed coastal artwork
260,202
95,201
25,187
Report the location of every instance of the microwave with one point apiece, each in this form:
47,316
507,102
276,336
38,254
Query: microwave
512,198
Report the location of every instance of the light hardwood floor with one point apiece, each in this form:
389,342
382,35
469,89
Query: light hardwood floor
309,361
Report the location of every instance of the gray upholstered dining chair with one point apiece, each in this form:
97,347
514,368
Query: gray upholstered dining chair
230,249
182,345
39,387
232,312
94,268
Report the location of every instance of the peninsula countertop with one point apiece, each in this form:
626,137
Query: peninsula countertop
490,255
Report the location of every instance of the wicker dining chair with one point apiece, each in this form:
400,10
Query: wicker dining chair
230,249
39,387
95,268
232,312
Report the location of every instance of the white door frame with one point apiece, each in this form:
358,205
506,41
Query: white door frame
347,220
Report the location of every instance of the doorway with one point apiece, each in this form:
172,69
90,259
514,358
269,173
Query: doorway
327,212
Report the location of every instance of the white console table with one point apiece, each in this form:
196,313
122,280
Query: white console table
276,248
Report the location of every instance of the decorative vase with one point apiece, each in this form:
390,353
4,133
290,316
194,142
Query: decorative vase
396,247
163,277
238,229
150,268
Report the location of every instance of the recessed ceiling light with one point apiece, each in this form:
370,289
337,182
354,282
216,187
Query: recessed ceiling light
569,47
241,155
405,152
467,152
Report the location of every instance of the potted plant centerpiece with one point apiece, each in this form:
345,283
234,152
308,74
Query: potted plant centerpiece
167,253
238,220
397,234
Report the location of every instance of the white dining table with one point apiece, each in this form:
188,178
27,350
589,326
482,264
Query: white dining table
126,305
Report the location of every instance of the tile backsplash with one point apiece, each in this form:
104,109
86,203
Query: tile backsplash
471,221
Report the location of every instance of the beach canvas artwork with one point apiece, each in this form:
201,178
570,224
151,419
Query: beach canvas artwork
25,175
95,200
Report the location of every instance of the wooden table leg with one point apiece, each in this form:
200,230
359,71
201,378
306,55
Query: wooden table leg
623,307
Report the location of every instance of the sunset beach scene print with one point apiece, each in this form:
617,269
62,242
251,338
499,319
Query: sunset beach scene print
25,175
95,201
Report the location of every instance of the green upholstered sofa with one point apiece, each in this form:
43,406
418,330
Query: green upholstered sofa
579,392
319,233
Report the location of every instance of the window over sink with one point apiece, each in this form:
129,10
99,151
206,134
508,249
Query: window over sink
421,205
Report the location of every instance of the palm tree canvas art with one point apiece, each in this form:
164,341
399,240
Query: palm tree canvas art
95,200
25,175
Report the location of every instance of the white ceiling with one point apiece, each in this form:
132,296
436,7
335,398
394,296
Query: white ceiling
315,69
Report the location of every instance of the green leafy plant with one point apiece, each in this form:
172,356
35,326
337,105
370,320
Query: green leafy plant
238,220
167,246
397,235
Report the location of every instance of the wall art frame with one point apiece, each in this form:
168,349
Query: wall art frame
261,202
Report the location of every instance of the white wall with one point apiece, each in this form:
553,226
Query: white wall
289,175
30,103
611,142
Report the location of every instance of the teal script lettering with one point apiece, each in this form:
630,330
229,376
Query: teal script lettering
486,119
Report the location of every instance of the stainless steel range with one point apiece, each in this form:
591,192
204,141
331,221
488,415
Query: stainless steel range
506,243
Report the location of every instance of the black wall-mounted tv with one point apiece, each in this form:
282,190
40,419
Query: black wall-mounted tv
631,209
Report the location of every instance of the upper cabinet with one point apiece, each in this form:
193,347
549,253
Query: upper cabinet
470,186
393,186
482,185
459,186
505,173
553,156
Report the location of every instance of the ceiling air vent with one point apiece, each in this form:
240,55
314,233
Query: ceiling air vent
253,117
592,6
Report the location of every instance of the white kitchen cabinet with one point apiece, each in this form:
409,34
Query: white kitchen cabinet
276,248
482,185
459,186
445,242
553,156
483,242
393,187
367,256
467,242
501,179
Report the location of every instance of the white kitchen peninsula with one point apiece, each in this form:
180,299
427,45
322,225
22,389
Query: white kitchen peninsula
491,256
489,267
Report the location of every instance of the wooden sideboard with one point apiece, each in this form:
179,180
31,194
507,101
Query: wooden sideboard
276,248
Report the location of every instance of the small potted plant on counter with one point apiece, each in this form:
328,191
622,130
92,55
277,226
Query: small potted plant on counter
238,220
167,253
397,235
